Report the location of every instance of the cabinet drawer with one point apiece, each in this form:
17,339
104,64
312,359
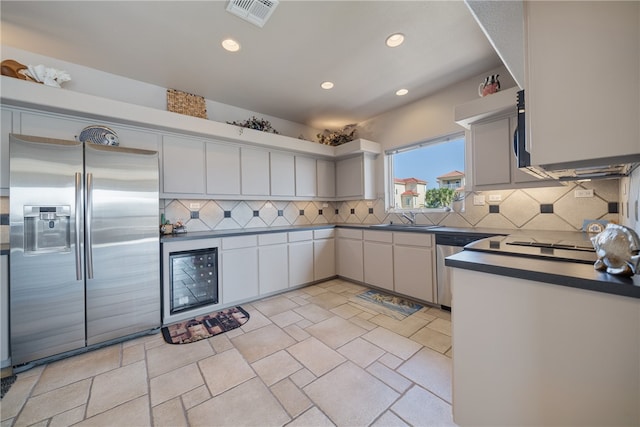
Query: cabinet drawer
349,233
239,242
299,236
413,239
326,233
378,236
272,239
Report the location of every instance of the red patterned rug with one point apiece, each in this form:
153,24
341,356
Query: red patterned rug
206,326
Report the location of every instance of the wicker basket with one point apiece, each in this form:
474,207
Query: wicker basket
186,103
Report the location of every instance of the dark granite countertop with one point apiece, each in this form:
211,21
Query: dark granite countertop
280,229
238,232
575,275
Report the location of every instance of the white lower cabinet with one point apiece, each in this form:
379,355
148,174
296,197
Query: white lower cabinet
324,254
378,259
350,257
413,265
239,265
273,262
300,257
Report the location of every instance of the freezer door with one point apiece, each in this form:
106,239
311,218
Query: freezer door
122,242
46,279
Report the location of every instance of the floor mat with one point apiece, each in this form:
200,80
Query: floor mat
206,326
7,382
391,305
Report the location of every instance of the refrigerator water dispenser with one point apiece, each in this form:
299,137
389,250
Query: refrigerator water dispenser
47,229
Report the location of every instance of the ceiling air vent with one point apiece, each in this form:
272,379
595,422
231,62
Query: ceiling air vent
255,11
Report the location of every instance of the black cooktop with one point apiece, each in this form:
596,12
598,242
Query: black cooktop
576,249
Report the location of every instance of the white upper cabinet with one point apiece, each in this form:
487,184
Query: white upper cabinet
254,171
183,165
223,169
326,170
283,174
306,177
491,152
355,177
582,80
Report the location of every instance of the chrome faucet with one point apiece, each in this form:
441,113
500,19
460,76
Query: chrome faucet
411,217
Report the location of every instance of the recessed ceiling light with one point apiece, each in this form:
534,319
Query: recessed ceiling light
401,92
231,45
395,40
326,85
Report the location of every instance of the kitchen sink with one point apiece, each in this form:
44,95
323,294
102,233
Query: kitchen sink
402,226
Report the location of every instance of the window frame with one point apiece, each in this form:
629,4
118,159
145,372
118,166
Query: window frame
389,184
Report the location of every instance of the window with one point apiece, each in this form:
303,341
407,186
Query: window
414,169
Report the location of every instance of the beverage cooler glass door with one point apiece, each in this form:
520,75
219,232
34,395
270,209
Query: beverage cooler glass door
194,279
123,258
47,298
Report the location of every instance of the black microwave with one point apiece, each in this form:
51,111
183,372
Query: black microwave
519,136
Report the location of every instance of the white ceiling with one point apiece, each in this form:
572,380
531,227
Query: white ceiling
278,71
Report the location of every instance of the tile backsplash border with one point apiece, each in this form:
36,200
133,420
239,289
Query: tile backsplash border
550,208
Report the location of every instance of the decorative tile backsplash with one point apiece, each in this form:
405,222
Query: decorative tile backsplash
517,209
551,208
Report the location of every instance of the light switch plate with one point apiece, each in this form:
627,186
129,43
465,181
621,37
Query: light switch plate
583,193
478,200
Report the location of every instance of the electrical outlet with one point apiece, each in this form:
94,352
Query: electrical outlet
369,204
478,200
325,205
583,193
193,206
495,197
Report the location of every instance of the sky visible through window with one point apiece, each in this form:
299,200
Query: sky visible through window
431,161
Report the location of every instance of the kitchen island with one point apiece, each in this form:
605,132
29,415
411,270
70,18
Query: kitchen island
540,342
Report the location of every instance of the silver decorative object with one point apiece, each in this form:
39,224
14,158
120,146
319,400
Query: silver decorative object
618,250
101,135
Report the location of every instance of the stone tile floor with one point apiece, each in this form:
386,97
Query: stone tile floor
308,357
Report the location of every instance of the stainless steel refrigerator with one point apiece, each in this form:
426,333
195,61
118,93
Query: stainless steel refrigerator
84,260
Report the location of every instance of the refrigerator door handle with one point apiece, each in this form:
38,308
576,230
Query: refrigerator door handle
77,225
88,219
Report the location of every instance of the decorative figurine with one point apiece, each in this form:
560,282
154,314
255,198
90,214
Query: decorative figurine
490,85
618,250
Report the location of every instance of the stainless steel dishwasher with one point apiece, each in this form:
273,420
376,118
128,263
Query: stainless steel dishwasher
448,244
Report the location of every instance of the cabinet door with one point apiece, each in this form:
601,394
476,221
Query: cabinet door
223,169
50,126
300,263
239,274
282,174
183,165
326,177
572,112
413,272
491,153
378,264
324,254
349,177
273,268
6,128
254,171
305,177
350,260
